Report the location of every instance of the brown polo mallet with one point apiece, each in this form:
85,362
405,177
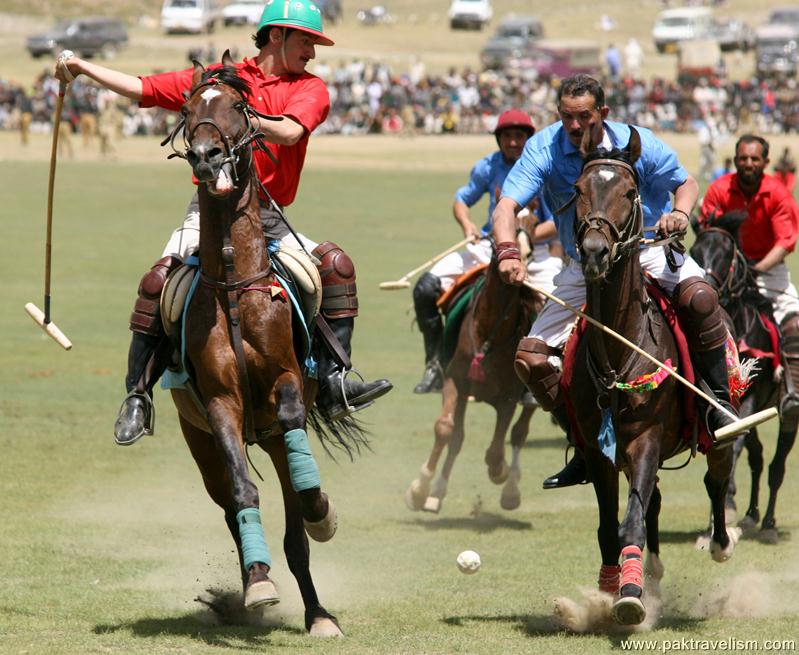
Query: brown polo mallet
43,317
739,426
404,281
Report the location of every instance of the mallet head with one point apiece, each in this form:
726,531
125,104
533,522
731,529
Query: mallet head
50,328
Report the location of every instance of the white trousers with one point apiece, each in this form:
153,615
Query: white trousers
541,267
776,285
554,323
185,240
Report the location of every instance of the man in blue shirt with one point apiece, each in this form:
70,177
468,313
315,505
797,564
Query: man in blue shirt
550,164
513,129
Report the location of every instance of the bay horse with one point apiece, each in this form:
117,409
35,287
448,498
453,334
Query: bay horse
717,250
482,366
239,342
609,231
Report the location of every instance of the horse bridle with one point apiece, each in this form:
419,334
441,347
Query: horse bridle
734,283
622,241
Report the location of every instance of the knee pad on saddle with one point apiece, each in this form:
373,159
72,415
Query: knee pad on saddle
339,292
426,292
533,367
146,316
698,307
789,328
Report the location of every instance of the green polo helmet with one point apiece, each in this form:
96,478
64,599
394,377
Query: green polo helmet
298,14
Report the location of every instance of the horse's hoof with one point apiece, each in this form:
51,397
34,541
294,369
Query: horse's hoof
748,526
768,536
702,541
415,496
432,504
323,530
720,554
511,496
628,610
261,594
502,476
325,627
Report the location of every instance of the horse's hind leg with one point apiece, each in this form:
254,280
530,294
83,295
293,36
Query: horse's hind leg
495,453
754,452
318,621
317,510
419,490
717,479
776,475
218,478
511,496
653,568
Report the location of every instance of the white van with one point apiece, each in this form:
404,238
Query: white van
193,16
675,25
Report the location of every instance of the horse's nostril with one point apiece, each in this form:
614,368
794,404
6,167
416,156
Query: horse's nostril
214,153
192,157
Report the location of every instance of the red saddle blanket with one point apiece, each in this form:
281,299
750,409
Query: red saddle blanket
691,418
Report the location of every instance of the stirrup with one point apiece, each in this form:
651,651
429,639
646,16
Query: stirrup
346,408
149,419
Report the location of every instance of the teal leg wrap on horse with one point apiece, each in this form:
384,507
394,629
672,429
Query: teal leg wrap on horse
302,466
251,534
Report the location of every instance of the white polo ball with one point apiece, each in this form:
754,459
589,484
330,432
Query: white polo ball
468,562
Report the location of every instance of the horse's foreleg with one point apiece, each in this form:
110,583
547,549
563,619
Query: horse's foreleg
776,475
318,621
419,489
241,506
643,455
495,453
605,479
717,479
454,445
754,450
511,496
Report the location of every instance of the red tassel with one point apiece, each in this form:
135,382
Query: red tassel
476,371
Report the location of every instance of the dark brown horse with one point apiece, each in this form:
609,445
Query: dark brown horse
647,425
239,342
716,250
482,366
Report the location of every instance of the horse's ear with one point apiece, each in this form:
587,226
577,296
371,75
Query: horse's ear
227,60
634,145
695,226
199,69
585,144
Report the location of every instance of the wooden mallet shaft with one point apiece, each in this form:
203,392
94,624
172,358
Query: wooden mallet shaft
404,281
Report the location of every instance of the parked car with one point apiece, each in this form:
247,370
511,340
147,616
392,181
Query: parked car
785,16
673,26
514,39
470,14
697,59
564,57
732,34
192,16
243,12
776,50
87,37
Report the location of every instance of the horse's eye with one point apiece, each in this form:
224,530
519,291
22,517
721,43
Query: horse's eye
631,194
184,111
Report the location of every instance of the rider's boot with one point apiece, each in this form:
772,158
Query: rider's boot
340,395
702,318
542,378
789,406
425,295
148,356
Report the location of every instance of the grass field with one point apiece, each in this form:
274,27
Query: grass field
104,549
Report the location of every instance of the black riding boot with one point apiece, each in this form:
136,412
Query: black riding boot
425,295
338,395
145,365
575,471
712,367
789,405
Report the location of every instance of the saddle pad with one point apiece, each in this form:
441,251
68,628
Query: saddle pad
173,297
454,319
306,277
461,283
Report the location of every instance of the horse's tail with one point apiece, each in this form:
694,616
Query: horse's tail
346,433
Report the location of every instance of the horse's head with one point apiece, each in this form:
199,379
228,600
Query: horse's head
608,207
217,127
716,251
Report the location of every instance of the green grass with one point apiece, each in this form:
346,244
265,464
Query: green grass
104,549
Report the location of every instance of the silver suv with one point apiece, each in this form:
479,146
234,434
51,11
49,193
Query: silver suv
515,38
86,36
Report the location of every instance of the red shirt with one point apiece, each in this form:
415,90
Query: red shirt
302,97
772,213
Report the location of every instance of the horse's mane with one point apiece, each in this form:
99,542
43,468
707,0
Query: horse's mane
605,153
227,75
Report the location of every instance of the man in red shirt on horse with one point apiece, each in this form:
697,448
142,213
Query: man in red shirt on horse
767,235
280,87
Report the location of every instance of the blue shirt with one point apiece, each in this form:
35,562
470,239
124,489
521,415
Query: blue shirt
488,176
550,166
